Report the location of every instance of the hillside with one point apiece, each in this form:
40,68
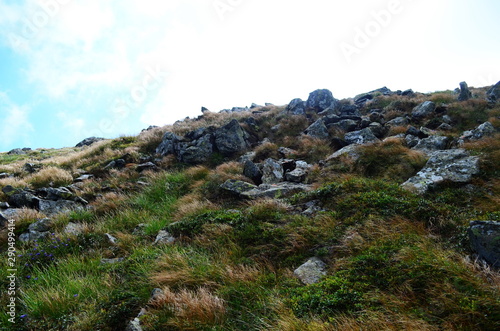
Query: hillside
377,212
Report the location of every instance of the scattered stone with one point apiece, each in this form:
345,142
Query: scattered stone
408,93
74,228
350,151
318,130
311,272
167,145
148,166
196,152
111,239
485,240
320,100
49,207
112,261
237,186
272,172
296,107
360,137
231,138
16,151
4,175
424,109
4,205
455,165
286,152
465,93
252,171
484,130
83,178
88,141
164,238
61,193
36,231
445,127
493,94
275,191
433,143
33,236
42,225
31,167
398,121
411,140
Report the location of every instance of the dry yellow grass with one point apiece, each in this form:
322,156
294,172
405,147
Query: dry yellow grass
50,176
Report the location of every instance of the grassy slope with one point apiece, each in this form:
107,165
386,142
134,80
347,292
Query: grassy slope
396,261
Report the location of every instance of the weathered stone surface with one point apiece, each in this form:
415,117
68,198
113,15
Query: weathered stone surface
33,236
280,190
311,271
83,178
272,172
231,138
147,166
345,125
112,261
74,228
360,137
16,151
485,240
455,165
23,199
433,143
197,152
296,107
424,109
168,143
465,93
252,171
164,238
42,225
350,151
49,207
320,100
237,186
318,130
88,141
484,130
398,121
299,174
54,193
493,93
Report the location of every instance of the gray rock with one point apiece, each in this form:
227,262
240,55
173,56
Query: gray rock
134,325
32,167
398,121
74,228
360,137
4,205
12,213
433,143
377,129
318,130
147,166
4,175
49,207
33,236
455,165
296,107
411,140
311,272
408,93
23,199
345,125
83,178
17,151
196,152
485,240
493,93
88,141
484,130
424,109
42,225
237,186
465,93
231,138
286,152
320,100
298,175
111,239
112,261
252,171
350,151
272,172
168,143
61,193
164,238
445,127
280,190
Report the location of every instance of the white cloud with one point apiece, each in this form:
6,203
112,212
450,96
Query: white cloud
15,127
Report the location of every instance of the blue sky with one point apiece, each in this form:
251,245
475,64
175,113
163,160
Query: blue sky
70,69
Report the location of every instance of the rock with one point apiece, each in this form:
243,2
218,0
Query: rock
116,164
23,199
9,190
231,138
275,191
4,175
423,110
252,171
465,93
350,151
377,129
112,261
49,207
360,137
445,127
311,271
349,110
318,130
408,93
433,143
196,152
455,165
167,145
411,140
111,239
164,238
416,132
32,167
147,166
299,174
4,205
83,178
286,152
16,151
484,238
134,325
296,107
149,128
493,94
54,194
272,172
237,186
346,125
12,213
74,228
33,236
484,130
88,141
398,121
42,225
320,100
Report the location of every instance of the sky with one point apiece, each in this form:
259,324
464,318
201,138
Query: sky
71,69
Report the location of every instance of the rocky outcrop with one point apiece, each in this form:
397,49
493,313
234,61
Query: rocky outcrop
484,238
484,130
454,165
37,230
320,100
311,272
272,172
296,107
318,130
493,93
88,141
465,93
424,109
360,137
199,145
278,190
432,143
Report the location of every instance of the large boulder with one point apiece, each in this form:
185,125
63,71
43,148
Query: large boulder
252,171
50,207
249,191
484,130
311,272
320,100
88,141
465,93
485,240
432,143
424,109
318,130
296,107
360,137
168,144
195,152
454,165
272,172
231,138
493,93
